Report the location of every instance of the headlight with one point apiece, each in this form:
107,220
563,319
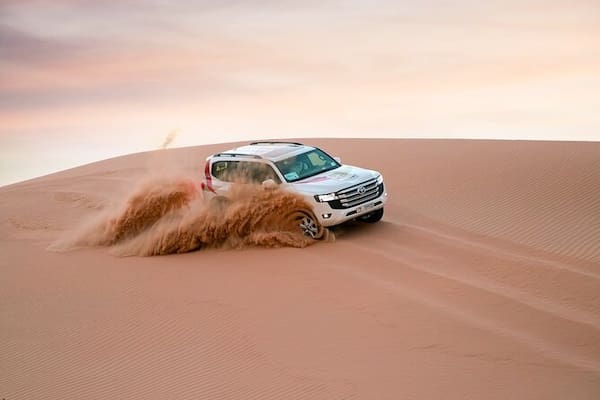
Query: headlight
325,197
380,179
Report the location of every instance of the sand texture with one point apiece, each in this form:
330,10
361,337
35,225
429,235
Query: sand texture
481,282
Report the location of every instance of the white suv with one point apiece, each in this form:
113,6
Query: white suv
336,192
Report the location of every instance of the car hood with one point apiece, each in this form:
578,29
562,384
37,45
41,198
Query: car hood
334,180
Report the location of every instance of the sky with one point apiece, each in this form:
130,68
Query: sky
85,80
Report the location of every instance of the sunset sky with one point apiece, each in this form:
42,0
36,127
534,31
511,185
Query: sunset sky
84,80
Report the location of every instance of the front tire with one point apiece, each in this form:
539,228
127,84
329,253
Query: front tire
308,224
372,217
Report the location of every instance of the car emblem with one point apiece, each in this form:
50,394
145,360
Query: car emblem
361,190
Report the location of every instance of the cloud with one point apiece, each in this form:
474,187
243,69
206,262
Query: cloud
20,47
63,60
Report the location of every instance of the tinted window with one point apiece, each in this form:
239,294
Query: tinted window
243,172
224,170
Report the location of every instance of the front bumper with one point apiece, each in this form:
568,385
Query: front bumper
329,216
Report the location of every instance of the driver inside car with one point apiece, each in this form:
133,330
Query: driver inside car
294,165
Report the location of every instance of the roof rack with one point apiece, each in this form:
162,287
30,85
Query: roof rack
276,142
226,154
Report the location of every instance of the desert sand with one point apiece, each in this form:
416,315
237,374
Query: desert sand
481,282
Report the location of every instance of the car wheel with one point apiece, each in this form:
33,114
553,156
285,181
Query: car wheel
373,217
308,224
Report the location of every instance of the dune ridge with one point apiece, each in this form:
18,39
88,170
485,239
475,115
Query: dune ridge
545,199
481,281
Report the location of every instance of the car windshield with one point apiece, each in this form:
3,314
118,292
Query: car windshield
306,165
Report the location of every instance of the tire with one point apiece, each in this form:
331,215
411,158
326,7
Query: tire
308,224
372,217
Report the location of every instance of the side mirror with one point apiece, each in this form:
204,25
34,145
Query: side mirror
338,159
269,184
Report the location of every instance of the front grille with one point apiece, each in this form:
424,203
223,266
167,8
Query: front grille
357,194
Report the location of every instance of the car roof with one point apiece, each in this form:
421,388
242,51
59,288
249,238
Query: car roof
273,151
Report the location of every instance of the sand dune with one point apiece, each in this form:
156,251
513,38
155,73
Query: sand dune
482,281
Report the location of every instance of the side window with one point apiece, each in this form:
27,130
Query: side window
225,170
243,172
256,172
266,172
